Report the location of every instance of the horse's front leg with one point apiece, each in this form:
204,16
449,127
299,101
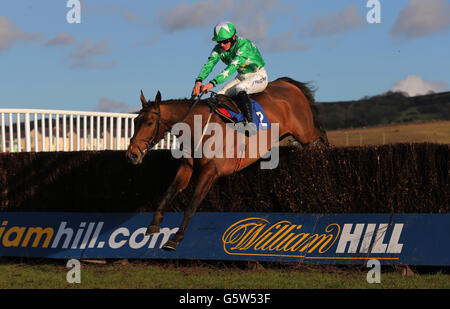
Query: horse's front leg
179,183
205,180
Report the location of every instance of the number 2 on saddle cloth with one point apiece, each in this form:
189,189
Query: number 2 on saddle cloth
259,116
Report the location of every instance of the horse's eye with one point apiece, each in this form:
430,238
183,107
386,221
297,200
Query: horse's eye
149,124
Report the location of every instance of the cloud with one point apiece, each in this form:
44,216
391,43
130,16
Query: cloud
133,17
414,85
343,21
82,56
110,105
283,42
252,16
10,34
61,39
117,11
149,41
422,18
247,10
254,29
253,19
200,14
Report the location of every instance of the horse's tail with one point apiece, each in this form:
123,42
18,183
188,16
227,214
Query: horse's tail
308,91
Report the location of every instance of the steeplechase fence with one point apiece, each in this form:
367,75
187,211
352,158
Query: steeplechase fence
59,130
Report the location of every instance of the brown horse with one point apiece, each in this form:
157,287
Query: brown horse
286,102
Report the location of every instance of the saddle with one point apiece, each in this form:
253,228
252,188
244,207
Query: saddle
222,103
229,111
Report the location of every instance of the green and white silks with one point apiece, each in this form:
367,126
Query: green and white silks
242,57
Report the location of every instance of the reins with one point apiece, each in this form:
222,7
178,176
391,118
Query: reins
150,142
192,106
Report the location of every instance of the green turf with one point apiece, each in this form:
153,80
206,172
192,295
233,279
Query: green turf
138,275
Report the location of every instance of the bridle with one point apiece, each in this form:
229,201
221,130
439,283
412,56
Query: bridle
152,141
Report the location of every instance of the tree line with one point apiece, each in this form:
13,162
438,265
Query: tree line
388,108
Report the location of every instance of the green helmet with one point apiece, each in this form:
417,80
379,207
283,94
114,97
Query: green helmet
223,31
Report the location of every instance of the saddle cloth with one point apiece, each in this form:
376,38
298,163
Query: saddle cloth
230,113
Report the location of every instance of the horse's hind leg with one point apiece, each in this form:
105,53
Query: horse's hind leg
290,141
306,138
206,179
179,183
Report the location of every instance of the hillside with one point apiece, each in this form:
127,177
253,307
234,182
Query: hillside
388,108
436,131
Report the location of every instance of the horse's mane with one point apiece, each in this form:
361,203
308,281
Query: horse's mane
307,88
177,101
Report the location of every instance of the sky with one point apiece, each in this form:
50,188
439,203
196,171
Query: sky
48,61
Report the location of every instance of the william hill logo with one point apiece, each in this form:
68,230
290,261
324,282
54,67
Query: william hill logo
258,237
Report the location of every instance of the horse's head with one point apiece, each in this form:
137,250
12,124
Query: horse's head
147,126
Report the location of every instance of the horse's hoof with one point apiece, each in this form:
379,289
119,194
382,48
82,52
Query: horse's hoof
152,229
170,245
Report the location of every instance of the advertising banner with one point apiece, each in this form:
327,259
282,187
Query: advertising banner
414,239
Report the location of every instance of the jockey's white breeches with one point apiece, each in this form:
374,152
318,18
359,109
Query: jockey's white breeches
250,82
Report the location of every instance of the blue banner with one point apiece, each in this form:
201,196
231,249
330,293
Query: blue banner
414,239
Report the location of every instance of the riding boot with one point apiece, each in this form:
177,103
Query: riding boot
246,107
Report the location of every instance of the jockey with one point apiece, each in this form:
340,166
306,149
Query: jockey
241,55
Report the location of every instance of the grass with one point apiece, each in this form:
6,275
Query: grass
161,275
417,132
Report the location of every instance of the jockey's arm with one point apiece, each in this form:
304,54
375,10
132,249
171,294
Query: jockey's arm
237,62
207,68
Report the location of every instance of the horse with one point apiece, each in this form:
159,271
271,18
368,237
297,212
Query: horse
286,102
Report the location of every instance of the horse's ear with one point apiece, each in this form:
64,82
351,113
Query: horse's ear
158,99
143,100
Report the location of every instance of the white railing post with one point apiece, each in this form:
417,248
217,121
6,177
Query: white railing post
57,132
78,132
64,132
98,133
11,133
71,132
3,133
19,138
27,132
43,132
125,140
91,136
36,133
85,132
118,133
111,133
168,140
132,128
50,133
105,119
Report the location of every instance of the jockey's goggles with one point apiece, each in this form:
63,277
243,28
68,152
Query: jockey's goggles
225,41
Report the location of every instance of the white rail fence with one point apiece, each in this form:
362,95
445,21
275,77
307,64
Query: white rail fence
59,130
